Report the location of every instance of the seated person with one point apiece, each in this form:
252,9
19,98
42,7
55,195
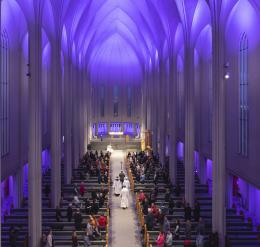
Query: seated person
94,225
142,178
102,222
76,201
94,207
155,210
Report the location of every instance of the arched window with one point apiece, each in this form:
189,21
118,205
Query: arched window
4,90
243,95
129,101
116,96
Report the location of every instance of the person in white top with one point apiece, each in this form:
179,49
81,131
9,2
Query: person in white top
117,186
126,183
49,239
124,197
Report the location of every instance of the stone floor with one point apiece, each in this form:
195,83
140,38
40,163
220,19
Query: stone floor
124,226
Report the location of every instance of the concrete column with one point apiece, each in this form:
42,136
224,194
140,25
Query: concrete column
155,107
75,103
202,169
85,107
56,124
173,120
189,144
68,120
0,114
218,133
35,134
18,188
162,109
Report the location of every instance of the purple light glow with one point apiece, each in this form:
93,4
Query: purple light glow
7,200
25,180
180,150
196,161
209,169
102,129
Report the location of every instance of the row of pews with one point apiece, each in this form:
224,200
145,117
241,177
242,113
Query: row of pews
239,232
62,230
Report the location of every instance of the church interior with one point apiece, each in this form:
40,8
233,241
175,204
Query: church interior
130,123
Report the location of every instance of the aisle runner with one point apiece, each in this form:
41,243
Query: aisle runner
125,232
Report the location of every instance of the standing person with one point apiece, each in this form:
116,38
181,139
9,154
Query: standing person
168,239
177,229
124,197
82,189
188,230
160,240
122,177
117,186
49,239
74,239
126,183
166,225
86,239
196,211
58,214
177,189
187,212
78,220
69,212
149,220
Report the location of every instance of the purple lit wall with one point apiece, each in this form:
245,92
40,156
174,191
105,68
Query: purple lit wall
7,189
209,169
196,161
25,181
250,198
180,149
129,129
138,130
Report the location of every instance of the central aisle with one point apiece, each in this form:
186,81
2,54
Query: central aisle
124,227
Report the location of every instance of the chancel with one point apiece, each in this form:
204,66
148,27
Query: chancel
130,123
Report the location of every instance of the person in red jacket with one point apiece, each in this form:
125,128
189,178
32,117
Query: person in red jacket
160,239
102,222
141,196
82,189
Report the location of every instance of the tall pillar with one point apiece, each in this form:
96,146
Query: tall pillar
56,124
82,119
35,134
68,120
218,132
155,107
162,110
0,141
173,120
18,187
75,137
189,124
202,169
85,111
